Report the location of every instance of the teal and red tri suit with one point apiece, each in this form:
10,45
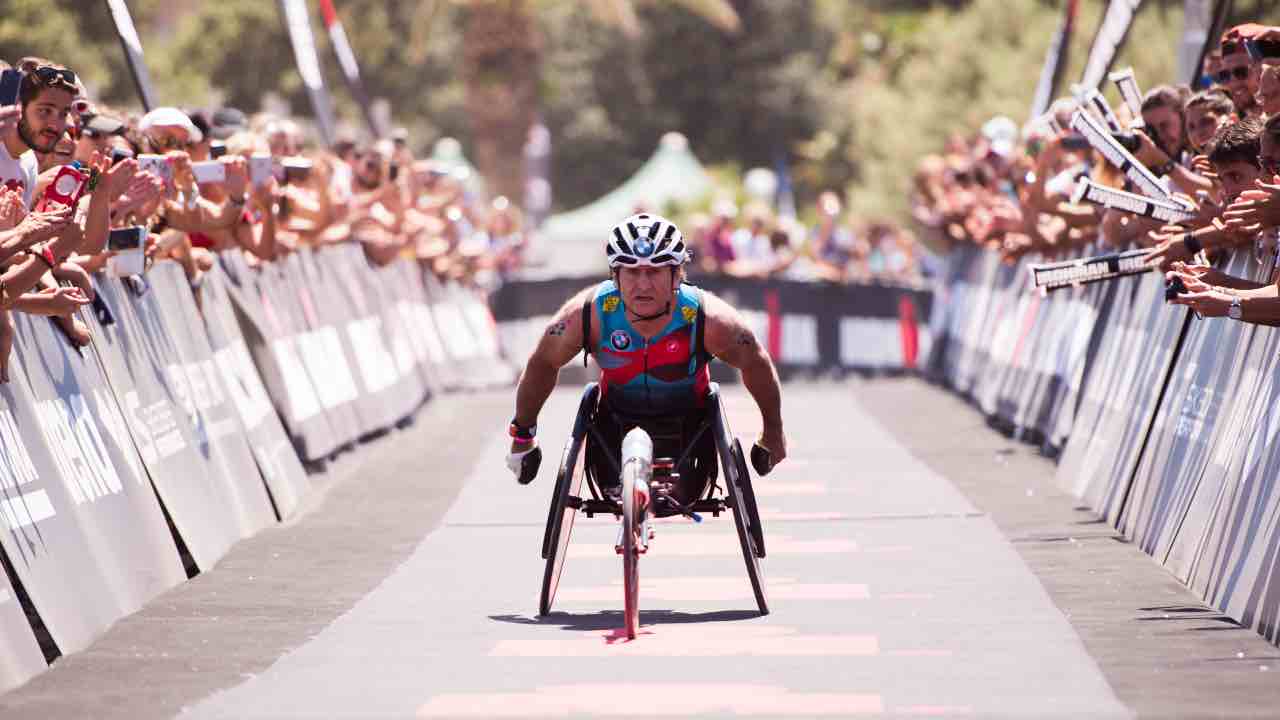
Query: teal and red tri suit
664,375
659,383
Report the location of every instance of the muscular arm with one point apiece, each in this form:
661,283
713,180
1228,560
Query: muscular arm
728,338
560,342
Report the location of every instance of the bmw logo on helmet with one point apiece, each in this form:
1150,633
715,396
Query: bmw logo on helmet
644,247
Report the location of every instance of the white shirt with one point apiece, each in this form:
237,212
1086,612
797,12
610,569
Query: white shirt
20,173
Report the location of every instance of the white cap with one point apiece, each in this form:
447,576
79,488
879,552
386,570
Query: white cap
171,117
1002,133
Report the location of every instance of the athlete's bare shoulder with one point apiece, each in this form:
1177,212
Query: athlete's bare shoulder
727,335
562,338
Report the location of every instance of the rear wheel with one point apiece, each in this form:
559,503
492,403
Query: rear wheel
555,544
748,494
743,507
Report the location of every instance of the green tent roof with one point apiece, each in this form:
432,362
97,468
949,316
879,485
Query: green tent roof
575,239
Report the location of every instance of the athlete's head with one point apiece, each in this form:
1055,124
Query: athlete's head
647,255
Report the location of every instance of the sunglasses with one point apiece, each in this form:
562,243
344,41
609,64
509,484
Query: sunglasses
1240,73
167,143
52,76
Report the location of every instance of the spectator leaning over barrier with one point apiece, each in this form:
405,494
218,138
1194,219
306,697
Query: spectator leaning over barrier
1207,112
1233,153
1236,73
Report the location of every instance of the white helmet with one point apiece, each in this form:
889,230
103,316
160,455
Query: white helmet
646,240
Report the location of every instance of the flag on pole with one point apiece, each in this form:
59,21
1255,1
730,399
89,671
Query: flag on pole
350,68
304,53
132,51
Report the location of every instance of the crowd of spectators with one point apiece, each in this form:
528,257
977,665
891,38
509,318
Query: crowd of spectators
1216,148
755,243
195,183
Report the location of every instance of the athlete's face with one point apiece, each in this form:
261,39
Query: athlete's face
646,290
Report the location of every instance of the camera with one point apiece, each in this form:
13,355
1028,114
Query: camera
1129,141
1174,288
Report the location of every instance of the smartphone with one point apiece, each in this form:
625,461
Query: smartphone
1255,53
393,172
10,85
66,187
210,172
217,149
159,166
119,155
1075,142
129,245
1174,288
1128,141
127,238
296,169
260,168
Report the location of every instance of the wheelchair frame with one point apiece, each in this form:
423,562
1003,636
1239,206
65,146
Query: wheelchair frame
567,498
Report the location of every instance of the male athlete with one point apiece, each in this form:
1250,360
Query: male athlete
652,336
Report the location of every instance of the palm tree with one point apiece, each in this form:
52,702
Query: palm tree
502,59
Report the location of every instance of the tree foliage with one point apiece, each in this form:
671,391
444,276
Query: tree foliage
850,93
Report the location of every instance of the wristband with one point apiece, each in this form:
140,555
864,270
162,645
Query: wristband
1165,169
1191,243
45,254
521,434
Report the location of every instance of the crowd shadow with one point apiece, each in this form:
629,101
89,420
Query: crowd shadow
611,619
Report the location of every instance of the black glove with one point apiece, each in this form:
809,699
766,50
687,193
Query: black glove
761,460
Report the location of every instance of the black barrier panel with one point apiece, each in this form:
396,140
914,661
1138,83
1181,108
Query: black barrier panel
803,324
20,656
272,450
84,533
204,507
1197,397
202,394
271,336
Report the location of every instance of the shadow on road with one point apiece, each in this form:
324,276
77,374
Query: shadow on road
611,619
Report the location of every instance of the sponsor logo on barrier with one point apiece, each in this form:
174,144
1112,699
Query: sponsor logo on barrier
154,428
16,467
1199,404
114,422
78,449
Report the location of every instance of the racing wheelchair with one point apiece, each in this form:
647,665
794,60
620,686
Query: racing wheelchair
651,487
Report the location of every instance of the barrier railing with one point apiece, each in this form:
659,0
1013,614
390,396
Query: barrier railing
1162,422
186,424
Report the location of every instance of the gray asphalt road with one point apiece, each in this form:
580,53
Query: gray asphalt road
904,574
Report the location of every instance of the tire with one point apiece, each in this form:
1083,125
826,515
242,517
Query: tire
741,507
748,494
630,574
560,521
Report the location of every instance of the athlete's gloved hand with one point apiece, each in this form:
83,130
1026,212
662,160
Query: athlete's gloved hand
761,459
524,463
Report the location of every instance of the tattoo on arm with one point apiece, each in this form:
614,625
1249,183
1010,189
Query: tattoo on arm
557,329
746,338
